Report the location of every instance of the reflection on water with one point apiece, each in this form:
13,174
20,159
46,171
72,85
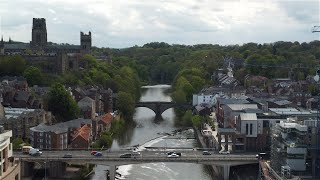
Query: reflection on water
144,130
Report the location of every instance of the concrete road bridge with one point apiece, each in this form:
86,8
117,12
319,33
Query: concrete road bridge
158,107
55,159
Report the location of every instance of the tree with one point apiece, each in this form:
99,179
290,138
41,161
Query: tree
196,120
34,75
61,104
126,104
187,118
16,143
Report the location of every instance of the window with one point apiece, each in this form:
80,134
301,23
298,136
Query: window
247,129
250,129
41,134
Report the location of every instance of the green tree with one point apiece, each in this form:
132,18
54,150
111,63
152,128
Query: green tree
61,104
34,75
187,118
16,143
126,104
196,121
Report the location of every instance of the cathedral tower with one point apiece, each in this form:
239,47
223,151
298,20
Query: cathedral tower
85,43
39,33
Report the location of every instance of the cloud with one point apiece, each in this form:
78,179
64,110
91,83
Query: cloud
125,23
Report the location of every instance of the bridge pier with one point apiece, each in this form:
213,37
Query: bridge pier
112,172
26,168
56,168
226,172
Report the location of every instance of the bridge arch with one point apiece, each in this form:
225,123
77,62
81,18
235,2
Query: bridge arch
159,107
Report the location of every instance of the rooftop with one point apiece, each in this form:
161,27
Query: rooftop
248,116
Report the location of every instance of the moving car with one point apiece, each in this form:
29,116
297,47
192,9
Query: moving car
171,152
173,156
135,154
67,155
224,152
206,153
93,152
26,149
98,154
126,155
35,152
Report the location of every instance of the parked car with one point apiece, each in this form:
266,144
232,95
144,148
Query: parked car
126,155
206,153
68,155
224,152
35,152
173,156
93,152
98,154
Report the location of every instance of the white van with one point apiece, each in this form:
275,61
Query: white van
26,149
35,152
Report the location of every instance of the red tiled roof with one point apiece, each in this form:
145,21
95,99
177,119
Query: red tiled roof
83,132
106,118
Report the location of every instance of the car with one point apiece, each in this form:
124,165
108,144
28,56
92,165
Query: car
68,155
206,153
224,152
93,152
98,154
126,155
35,152
135,154
171,152
173,156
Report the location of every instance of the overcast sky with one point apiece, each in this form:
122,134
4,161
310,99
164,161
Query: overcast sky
125,23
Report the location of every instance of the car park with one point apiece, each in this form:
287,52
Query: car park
173,156
206,153
68,155
98,154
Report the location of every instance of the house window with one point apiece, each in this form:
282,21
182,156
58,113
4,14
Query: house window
41,134
247,129
250,129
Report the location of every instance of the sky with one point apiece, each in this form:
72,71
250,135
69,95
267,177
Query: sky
126,23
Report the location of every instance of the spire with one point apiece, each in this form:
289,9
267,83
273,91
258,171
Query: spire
10,39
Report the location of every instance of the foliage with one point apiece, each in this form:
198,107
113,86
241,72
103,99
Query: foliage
187,118
33,75
196,120
126,104
16,143
12,65
61,104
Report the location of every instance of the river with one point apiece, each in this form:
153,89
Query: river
145,131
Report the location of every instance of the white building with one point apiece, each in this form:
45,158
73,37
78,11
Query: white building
8,170
249,124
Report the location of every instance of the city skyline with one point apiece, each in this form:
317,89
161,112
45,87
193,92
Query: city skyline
124,24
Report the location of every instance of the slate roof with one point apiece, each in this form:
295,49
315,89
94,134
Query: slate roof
61,127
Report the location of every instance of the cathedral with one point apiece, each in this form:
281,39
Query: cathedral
49,56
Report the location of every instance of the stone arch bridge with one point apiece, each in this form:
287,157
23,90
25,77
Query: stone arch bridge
158,107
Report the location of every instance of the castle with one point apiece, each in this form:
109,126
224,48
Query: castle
50,57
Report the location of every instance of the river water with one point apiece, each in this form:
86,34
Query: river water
146,131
